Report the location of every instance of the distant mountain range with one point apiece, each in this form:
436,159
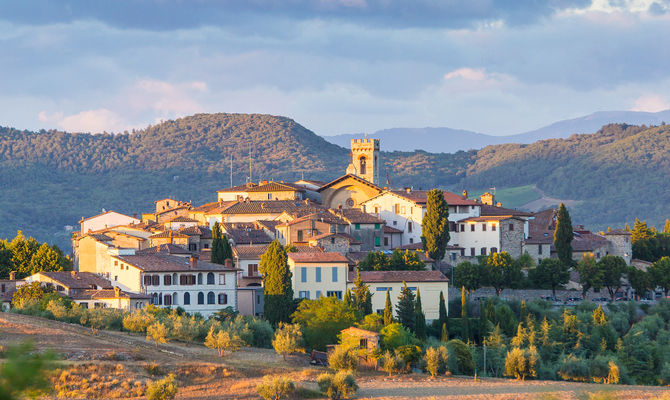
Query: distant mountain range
448,140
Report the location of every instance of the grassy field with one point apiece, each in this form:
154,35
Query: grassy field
113,364
512,197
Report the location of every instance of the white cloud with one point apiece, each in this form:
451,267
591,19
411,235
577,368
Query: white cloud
165,98
93,121
651,103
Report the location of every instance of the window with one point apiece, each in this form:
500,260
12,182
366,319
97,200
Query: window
167,280
192,246
484,227
201,298
409,227
383,289
462,227
211,298
147,280
269,196
472,228
187,298
403,210
378,226
411,240
332,240
303,294
154,299
386,241
395,222
205,246
303,274
155,280
483,251
116,263
396,208
472,251
376,209
334,293
210,278
334,273
223,298
318,294
84,305
511,227
539,249
199,278
318,274
222,279
300,238
452,226
357,226
253,269
116,277
3,288
493,227
362,165
378,241
494,250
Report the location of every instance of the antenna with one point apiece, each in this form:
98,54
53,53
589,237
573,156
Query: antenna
231,168
250,168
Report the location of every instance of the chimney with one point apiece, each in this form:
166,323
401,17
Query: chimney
12,275
117,291
228,263
488,199
74,274
307,201
135,215
465,194
408,190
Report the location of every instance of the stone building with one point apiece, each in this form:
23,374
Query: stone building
365,159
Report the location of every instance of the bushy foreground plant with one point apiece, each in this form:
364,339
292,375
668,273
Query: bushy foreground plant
341,385
275,388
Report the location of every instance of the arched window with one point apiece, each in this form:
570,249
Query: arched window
361,162
168,300
187,298
199,278
155,280
175,298
223,298
167,280
175,279
154,299
210,278
201,298
211,298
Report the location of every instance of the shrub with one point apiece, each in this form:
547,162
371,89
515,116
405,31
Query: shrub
157,332
391,363
137,321
222,340
463,357
574,368
153,369
521,363
275,388
436,360
164,389
58,309
410,354
342,385
287,339
395,335
343,358
261,332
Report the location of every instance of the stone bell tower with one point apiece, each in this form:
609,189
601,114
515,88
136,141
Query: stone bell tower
365,159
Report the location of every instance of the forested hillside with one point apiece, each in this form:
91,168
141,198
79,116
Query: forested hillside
51,179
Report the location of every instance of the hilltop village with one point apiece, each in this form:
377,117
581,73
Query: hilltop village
163,257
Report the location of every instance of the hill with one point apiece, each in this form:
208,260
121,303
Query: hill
448,140
50,179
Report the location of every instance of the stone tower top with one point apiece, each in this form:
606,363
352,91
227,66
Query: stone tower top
365,159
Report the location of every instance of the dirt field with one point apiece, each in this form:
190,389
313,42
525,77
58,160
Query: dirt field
119,365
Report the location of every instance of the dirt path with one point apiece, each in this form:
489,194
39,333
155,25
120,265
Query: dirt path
545,201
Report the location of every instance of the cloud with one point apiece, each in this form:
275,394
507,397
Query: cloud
167,99
651,103
94,121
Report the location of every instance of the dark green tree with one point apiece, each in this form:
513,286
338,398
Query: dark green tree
218,245
465,321
227,249
419,318
442,310
45,259
613,268
502,272
550,273
642,239
405,307
388,310
639,280
660,274
278,288
666,228
435,225
469,275
361,296
22,253
6,264
590,276
563,235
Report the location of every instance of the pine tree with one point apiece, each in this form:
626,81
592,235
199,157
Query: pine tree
599,318
217,255
563,235
348,299
435,225
465,321
278,288
442,310
405,307
44,259
666,228
226,249
388,310
444,337
362,298
419,318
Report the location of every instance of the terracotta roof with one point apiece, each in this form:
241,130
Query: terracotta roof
312,181
411,246
92,294
162,262
78,280
167,234
587,241
104,213
360,332
329,257
490,218
277,187
221,207
322,216
247,235
541,227
399,276
306,249
618,232
202,231
206,207
239,188
487,210
165,248
348,176
390,229
268,207
269,225
181,218
356,216
100,237
250,252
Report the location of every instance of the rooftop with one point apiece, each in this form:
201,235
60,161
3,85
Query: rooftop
250,252
399,276
277,187
329,257
77,280
164,263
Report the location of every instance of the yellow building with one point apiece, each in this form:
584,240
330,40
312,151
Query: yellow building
348,191
318,274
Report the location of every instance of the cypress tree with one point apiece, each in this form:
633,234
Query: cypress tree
666,228
226,248
445,333
435,225
361,296
419,318
278,289
217,245
388,310
563,235
465,321
442,316
483,323
405,307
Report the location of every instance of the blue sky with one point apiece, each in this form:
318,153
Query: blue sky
335,66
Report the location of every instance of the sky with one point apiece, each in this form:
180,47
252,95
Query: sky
335,66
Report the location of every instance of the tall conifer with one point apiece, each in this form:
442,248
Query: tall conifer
405,307
278,289
563,235
435,225
419,318
217,245
388,310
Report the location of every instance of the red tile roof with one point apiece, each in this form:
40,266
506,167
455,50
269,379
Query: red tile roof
270,207
250,252
390,229
329,257
164,263
399,276
168,234
165,248
277,187
356,216
487,210
77,280
92,294
202,231
181,218
345,177
239,188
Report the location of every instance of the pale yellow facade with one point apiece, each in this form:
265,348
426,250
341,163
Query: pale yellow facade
430,295
312,280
